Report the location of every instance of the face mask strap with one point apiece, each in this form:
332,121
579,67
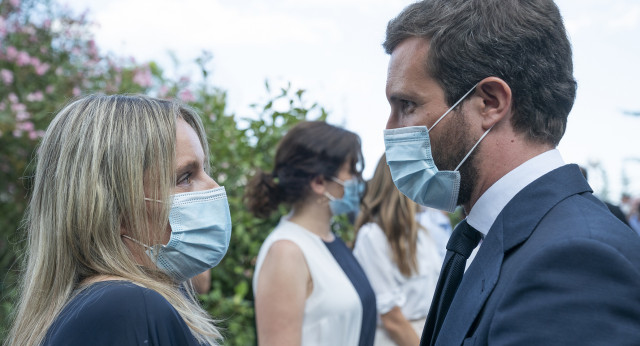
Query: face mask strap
339,181
136,241
472,149
328,195
452,107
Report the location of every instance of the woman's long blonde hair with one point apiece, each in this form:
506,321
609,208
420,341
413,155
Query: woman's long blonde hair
396,216
97,159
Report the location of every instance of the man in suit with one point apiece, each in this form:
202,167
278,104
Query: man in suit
614,209
554,266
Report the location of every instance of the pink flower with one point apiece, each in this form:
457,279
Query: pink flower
13,98
42,69
163,91
186,95
76,91
49,89
21,112
29,30
25,126
34,61
18,107
93,50
22,116
15,3
35,97
142,77
23,58
6,76
12,53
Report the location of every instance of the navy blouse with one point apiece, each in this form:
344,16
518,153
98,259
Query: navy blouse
119,313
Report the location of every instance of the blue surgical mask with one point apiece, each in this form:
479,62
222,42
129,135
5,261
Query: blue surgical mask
414,171
200,233
350,201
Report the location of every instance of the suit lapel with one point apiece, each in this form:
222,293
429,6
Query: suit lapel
522,214
519,217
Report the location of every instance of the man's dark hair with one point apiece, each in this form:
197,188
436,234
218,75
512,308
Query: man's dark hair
523,42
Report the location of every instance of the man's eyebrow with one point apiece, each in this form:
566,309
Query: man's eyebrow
399,95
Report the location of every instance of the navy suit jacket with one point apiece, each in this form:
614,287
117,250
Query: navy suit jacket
556,268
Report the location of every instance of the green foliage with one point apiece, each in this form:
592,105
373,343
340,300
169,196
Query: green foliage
457,216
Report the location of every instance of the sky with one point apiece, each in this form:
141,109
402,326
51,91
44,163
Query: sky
332,49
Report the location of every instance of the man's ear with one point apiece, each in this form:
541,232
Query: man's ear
318,185
496,101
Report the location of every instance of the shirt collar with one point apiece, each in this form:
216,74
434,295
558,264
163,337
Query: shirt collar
490,204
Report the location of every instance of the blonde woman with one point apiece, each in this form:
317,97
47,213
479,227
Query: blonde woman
309,289
123,213
400,258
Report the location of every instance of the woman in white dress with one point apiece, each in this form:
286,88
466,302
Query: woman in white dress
399,257
308,287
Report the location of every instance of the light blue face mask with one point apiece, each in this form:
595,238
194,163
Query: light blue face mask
414,171
200,233
350,201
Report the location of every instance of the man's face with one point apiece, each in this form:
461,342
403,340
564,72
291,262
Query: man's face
416,99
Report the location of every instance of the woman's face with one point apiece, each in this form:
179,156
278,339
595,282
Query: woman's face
344,173
190,174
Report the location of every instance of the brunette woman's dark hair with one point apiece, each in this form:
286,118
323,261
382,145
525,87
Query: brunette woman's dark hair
309,150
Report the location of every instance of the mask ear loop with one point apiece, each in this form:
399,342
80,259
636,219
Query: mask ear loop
452,107
137,241
474,147
328,195
339,181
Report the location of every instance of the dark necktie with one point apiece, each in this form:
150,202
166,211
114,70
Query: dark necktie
462,242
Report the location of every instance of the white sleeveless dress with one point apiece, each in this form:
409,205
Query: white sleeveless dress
333,311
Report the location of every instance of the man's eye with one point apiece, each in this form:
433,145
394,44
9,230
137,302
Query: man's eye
407,106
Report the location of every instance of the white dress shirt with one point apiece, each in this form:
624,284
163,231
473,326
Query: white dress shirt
490,204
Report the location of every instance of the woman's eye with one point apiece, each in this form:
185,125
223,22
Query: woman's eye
184,179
